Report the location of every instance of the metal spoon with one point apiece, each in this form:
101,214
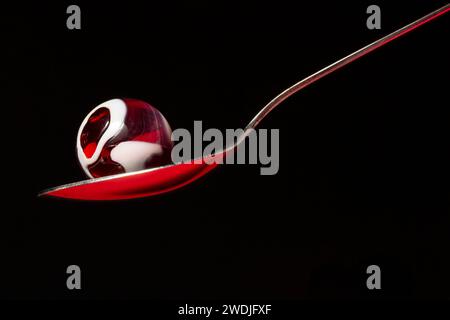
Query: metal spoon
170,177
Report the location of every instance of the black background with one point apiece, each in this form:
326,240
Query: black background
364,160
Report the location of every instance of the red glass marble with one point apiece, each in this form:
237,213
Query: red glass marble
123,135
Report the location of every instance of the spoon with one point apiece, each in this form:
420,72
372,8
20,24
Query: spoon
166,178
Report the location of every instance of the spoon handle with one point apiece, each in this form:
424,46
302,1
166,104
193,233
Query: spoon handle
337,65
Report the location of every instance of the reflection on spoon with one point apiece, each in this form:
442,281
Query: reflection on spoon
170,177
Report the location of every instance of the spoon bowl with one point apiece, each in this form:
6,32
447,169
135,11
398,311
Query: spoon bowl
134,184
